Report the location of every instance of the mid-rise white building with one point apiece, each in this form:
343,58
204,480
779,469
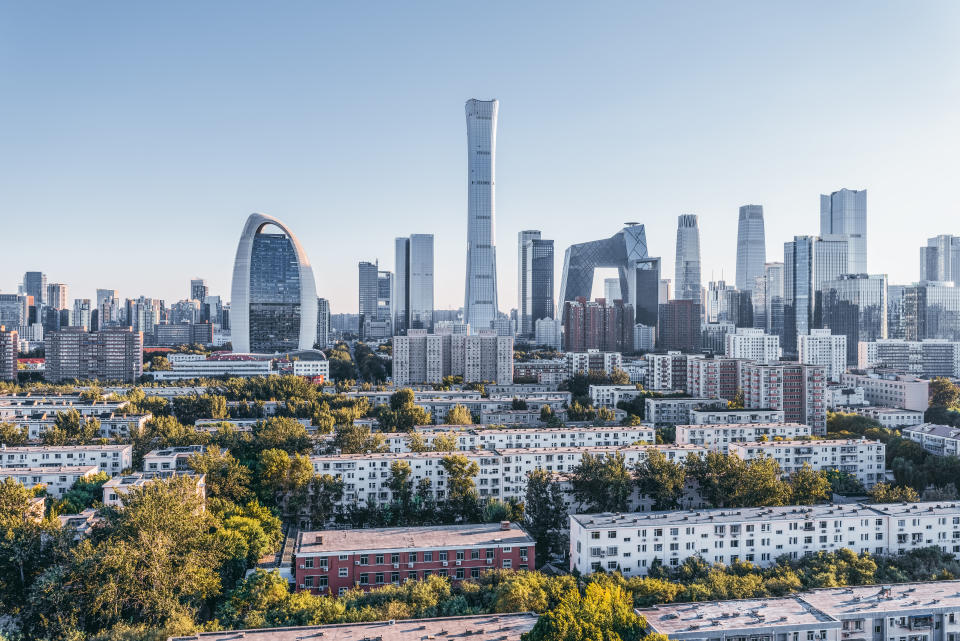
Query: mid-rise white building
630,542
838,396
121,485
479,438
889,417
666,371
171,460
821,347
863,459
722,416
644,337
111,459
753,344
593,361
57,480
720,437
610,395
942,440
547,331
927,358
905,392
676,411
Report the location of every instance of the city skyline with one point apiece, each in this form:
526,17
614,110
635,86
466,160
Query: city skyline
72,164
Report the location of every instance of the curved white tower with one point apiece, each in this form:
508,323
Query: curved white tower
480,299
273,304
687,267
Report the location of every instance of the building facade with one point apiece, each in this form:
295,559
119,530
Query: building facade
413,283
480,301
114,354
844,212
796,389
9,346
751,246
753,344
420,357
687,268
826,349
905,392
719,437
862,459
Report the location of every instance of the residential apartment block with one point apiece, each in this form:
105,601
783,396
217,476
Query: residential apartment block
111,425
865,460
610,395
677,411
477,438
113,354
666,371
942,440
111,459
334,561
9,347
795,388
171,460
420,357
121,485
822,347
631,542
593,361
889,417
927,358
753,344
722,416
905,392
720,437
58,480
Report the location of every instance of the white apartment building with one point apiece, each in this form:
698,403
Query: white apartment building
753,344
866,460
821,347
676,411
111,425
111,459
927,358
636,370
905,392
942,440
593,360
312,368
610,395
58,480
547,331
927,611
16,406
121,485
838,396
720,437
478,438
889,417
720,416
214,368
503,472
420,357
170,460
630,542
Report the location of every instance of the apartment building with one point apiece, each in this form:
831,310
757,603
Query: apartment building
171,460
547,372
863,459
718,437
14,406
900,391
942,440
113,354
421,357
823,347
753,344
927,611
841,397
331,562
713,377
631,542
479,438
610,395
795,388
720,416
927,358
676,411
57,480
9,347
666,371
593,360
121,485
486,627
889,417
111,425
111,459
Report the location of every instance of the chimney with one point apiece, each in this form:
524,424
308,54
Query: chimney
505,525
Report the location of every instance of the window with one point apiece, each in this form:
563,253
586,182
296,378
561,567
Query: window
379,559
427,556
364,559
394,558
443,556
342,572
308,562
364,579
475,554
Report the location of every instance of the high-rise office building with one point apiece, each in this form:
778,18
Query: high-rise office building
82,314
274,295
522,238
323,322
611,289
679,326
536,281
413,283
56,296
198,289
35,284
855,305
751,246
808,263
14,310
105,294
663,290
9,345
931,310
940,259
895,301
480,300
687,268
844,212
368,292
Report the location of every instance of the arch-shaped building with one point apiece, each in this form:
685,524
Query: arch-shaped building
273,304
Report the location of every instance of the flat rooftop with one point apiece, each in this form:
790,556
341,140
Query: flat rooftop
889,599
740,426
946,431
403,538
53,469
491,627
25,449
810,443
705,617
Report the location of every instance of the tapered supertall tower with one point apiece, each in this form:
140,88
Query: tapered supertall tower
687,267
480,299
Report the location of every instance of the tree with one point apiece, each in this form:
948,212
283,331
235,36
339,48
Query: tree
74,428
13,436
845,483
545,515
943,393
660,479
401,489
445,443
402,415
518,404
160,364
357,439
619,377
602,482
282,433
84,493
417,443
459,415
808,486
462,497
736,403
187,409
602,611
226,478
886,493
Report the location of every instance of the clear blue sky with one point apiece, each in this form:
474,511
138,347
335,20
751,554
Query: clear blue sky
136,137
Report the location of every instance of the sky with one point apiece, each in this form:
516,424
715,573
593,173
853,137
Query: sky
135,138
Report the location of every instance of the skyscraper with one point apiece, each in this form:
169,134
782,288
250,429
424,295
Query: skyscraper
845,212
367,293
35,284
940,259
198,289
56,296
522,238
751,246
105,294
855,305
413,283
809,262
536,281
687,270
323,322
611,289
274,296
480,299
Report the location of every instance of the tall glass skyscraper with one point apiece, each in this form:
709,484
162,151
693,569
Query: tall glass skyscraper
274,296
940,259
413,283
845,212
808,263
525,325
751,246
537,283
855,305
480,299
35,284
687,268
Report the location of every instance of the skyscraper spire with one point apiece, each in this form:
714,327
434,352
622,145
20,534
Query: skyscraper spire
480,297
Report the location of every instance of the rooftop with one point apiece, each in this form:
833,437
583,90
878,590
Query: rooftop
946,431
742,426
802,443
492,627
889,599
54,469
728,616
402,538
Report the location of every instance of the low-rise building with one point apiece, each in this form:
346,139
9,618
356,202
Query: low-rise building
863,459
120,485
942,440
111,425
471,438
889,417
630,542
720,416
57,480
610,395
718,437
81,524
112,459
840,396
170,460
335,561
487,627
902,391
676,411
593,361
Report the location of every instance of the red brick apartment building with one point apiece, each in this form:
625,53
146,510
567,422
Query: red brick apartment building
334,561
